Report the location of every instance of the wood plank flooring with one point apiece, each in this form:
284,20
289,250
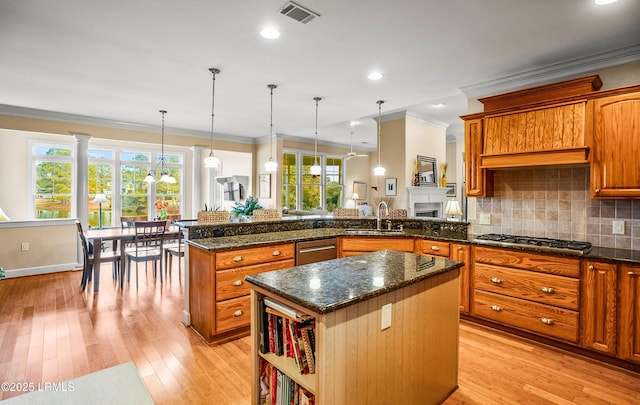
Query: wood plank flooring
50,331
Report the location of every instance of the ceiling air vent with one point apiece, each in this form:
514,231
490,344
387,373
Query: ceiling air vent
298,12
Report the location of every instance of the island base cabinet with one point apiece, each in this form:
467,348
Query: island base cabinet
629,337
415,361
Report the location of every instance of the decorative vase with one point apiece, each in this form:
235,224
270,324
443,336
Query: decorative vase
443,180
163,214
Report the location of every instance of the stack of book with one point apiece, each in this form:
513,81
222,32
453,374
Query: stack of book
278,389
286,332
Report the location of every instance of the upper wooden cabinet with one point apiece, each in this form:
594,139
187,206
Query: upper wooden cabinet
478,181
616,146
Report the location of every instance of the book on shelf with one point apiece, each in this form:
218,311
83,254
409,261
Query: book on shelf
282,390
310,355
286,310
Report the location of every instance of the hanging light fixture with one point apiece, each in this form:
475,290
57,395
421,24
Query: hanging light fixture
164,172
271,165
211,160
316,170
379,170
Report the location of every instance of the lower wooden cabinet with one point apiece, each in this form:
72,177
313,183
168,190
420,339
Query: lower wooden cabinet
598,309
629,321
357,245
462,253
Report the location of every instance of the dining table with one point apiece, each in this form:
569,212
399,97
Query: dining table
120,236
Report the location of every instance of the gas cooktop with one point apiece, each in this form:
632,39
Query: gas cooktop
546,244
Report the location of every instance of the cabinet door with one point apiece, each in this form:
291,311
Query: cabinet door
478,181
616,147
598,310
462,253
629,321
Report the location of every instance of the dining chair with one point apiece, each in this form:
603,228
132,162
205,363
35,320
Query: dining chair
147,246
89,262
171,250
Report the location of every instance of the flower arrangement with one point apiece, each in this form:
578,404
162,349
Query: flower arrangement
443,174
161,208
1,272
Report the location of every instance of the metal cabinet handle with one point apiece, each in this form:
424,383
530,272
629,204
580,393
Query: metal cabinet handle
275,253
459,247
597,190
496,308
435,248
496,280
548,290
237,259
238,313
631,273
547,321
591,267
237,282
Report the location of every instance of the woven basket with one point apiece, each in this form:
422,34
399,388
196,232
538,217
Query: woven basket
208,217
346,213
266,215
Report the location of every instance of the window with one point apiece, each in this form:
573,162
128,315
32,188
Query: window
134,192
307,192
53,168
101,164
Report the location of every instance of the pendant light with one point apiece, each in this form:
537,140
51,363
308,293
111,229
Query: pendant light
211,160
271,165
316,170
379,170
165,176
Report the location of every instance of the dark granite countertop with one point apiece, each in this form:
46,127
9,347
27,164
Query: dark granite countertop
333,284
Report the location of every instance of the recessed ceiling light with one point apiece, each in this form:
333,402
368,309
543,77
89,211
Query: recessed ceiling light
375,76
270,33
602,2
439,105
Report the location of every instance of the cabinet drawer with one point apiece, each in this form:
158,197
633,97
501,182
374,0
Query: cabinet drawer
234,313
552,321
231,284
359,244
544,288
245,257
542,263
435,248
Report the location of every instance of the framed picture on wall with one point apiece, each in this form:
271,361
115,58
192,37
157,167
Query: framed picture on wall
451,190
390,186
264,186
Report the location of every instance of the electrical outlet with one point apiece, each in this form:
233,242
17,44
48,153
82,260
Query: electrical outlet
618,227
24,246
385,319
485,219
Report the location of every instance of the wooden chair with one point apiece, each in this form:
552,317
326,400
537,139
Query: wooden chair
89,262
148,242
171,250
129,222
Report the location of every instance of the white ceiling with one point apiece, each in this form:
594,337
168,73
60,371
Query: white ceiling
124,60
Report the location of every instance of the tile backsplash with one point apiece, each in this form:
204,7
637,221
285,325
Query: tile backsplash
555,203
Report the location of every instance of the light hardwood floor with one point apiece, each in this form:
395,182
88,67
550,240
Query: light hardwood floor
50,331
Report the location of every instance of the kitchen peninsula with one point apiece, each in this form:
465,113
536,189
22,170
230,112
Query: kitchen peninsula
386,327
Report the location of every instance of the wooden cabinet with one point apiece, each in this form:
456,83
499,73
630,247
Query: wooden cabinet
462,253
529,291
616,146
629,321
218,296
598,310
357,245
433,247
478,181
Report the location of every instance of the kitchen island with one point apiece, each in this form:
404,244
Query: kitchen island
386,328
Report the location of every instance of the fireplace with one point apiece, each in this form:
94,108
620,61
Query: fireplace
427,202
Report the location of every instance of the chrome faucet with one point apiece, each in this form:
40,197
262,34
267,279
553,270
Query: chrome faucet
379,219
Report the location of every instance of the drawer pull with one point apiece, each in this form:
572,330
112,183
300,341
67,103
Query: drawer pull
237,259
435,248
275,253
631,273
496,308
238,313
547,321
237,282
591,267
548,290
496,280
597,190
459,247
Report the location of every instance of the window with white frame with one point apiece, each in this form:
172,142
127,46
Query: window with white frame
53,180
303,191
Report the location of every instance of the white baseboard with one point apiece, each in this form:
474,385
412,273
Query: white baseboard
35,271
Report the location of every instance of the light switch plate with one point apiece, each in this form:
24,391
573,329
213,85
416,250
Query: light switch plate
618,227
485,219
385,319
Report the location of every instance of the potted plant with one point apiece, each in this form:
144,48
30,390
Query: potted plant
246,209
1,273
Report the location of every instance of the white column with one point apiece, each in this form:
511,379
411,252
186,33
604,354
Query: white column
82,178
196,170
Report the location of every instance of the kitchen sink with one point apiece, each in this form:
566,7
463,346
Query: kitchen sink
373,232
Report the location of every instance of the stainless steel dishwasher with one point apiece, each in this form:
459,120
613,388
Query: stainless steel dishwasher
316,251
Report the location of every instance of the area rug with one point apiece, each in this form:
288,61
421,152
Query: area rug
121,384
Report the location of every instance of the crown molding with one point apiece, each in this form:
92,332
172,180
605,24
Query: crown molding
553,72
413,115
34,113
